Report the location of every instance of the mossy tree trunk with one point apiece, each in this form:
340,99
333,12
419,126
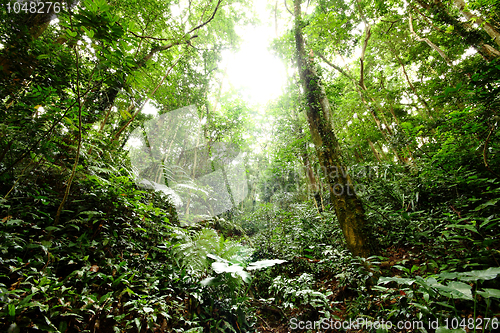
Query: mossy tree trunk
348,207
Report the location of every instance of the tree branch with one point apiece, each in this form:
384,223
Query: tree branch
362,58
431,44
187,41
287,8
393,50
207,21
337,68
428,20
163,48
149,37
392,24
145,102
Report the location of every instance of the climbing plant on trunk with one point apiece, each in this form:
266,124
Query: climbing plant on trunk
347,205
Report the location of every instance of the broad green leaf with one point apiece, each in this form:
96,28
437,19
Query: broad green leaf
12,310
487,274
222,267
423,308
455,289
492,202
137,323
216,257
385,280
489,293
102,5
402,268
245,276
264,263
46,245
449,275
463,226
460,289
89,33
105,297
195,330
211,281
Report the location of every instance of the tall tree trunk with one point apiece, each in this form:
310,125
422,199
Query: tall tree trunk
490,30
470,36
348,207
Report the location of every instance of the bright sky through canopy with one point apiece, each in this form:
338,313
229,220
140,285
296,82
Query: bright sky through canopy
253,69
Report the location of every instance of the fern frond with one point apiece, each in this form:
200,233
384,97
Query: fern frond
193,250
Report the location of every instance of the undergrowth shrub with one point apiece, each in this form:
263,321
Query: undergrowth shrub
118,261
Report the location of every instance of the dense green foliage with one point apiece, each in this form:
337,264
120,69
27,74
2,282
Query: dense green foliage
415,92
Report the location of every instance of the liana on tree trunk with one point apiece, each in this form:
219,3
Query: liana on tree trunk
348,207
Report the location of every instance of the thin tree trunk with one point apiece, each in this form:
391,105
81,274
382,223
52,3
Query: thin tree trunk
368,34
427,107
384,156
358,154
313,183
375,152
357,86
431,44
348,207
361,90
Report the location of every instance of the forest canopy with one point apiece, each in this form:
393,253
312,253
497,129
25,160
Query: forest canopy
141,190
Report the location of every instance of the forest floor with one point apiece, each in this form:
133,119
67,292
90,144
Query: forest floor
271,320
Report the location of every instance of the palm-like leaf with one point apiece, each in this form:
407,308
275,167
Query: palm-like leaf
193,250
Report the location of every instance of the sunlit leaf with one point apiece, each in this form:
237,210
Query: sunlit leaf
264,263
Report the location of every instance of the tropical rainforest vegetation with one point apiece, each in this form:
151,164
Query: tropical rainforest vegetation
367,192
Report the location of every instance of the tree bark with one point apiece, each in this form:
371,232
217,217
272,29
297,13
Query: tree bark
490,30
375,152
368,34
348,207
470,36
